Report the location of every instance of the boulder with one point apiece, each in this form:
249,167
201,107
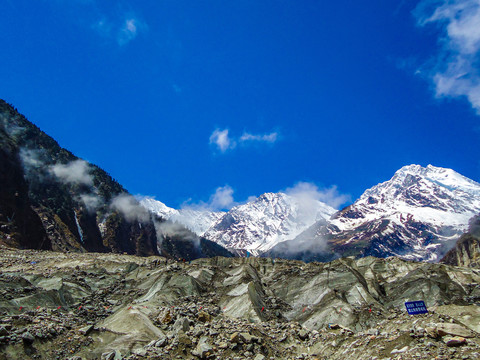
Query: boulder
455,341
303,334
235,338
108,355
183,339
454,330
182,324
3,331
203,316
28,338
165,317
86,330
203,349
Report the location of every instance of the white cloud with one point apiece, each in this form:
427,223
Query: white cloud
75,172
129,31
128,206
221,199
222,140
32,158
92,202
306,192
455,73
122,30
269,138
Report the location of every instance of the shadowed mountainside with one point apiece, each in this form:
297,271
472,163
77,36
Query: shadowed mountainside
51,199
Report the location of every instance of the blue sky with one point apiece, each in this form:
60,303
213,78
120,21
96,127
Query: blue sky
182,100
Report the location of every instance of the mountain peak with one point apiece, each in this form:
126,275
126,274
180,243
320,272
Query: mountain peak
415,169
417,215
443,177
269,197
256,225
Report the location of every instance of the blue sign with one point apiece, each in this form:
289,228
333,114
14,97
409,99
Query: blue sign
416,307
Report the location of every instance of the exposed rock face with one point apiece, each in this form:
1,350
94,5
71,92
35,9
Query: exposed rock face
108,305
467,250
19,224
53,200
50,199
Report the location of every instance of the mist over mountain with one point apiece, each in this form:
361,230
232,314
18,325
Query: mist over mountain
255,226
51,199
419,214
196,220
467,249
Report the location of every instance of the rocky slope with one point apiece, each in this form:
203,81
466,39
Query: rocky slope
467,249
90,306
418,214
50,199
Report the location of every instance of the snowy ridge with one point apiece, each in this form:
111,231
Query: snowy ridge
256,226
417,215
266,221
197,221
438,196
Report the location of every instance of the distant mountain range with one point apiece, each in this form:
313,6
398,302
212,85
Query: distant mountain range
419,214
51,199
255,226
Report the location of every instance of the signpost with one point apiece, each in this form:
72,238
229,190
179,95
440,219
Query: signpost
416,307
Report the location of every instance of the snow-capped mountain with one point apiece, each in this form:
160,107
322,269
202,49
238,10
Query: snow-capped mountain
197,221
271,218
256,226
418,214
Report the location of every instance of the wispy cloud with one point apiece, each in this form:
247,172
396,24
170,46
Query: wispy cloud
127,205
129,31
221,139
91,201
307,192
122,30
75,172
221,199
268,138
455,72
224,142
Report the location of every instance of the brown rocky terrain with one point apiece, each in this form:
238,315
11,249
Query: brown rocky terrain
111,306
